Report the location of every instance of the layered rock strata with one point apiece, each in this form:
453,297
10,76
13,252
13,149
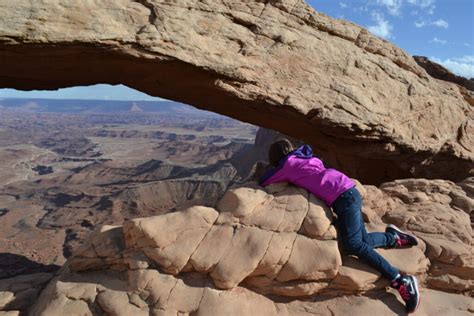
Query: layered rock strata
270,251
325,81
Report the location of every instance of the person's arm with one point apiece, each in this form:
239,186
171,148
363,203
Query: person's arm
273,175
258,170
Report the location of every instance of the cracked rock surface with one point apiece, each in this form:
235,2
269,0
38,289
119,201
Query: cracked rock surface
271,251
369,107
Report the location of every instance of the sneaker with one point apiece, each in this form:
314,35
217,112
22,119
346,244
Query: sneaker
402,239
407,286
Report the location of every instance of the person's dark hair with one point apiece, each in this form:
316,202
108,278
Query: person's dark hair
279,150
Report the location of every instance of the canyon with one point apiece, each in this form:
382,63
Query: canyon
66,173
119,208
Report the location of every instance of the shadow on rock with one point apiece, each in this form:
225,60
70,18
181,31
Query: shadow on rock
389,299
12,265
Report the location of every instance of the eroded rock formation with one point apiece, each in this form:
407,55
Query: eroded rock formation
365,103
439,72
271,251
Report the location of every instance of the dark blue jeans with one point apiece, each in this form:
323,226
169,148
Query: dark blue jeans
355,239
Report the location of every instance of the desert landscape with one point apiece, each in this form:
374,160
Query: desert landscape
154,208
67,169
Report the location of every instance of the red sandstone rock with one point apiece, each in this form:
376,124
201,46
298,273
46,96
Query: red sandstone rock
264,239
365,103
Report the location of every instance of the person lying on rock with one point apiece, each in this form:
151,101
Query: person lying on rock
338,191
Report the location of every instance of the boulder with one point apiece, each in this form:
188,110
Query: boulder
366,105
103,249
254,234
265,246
149,292
171,239
439,212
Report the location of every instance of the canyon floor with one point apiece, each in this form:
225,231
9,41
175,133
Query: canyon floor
66,171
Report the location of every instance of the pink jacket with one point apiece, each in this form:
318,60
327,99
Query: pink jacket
302,169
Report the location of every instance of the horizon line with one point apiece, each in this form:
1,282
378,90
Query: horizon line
76,99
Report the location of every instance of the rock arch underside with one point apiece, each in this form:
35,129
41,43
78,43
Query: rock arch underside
365,104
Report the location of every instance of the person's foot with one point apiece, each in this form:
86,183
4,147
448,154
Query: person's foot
402,239
407,286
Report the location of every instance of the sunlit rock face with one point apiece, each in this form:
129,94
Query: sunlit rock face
262,237
271,251
365,104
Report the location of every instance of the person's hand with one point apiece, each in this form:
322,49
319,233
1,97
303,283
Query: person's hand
260,169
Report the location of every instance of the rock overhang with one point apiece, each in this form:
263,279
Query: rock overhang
365,103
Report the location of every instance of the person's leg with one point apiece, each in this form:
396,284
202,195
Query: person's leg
352,230
377,240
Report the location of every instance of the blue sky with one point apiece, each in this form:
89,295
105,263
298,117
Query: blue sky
442,30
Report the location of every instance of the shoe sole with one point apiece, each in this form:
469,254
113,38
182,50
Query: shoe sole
418,298
401,231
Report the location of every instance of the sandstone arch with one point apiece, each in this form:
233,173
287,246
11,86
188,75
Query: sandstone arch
365,103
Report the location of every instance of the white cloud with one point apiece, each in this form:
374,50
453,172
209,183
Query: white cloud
422,3
438,23
427,5
438,41
362,8
466,59
343,5
462,66
420,24
393,6
383,28
467,44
